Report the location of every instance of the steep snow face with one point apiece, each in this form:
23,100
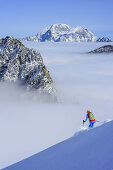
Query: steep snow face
20,63
63,32
90,149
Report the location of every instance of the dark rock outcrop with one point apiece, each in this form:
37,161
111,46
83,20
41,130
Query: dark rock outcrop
104,39
18,63
103,49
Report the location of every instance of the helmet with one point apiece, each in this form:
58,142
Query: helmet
88,111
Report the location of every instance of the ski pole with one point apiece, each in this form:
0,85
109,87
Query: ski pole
83,122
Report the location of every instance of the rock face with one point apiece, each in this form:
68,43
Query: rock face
63,33
18,63
103,49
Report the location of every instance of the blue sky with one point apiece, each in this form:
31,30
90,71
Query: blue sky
20,18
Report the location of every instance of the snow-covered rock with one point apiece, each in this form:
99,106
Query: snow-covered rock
19,63
103,49
63,32
87,150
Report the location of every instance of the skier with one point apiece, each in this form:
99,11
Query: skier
91,119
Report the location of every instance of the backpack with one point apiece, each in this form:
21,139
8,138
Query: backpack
90,116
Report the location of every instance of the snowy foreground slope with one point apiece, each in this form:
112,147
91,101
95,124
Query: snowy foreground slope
87,150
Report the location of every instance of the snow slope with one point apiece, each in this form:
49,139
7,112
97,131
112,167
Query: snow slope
87,150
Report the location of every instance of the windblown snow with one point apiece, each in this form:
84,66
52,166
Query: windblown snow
29,126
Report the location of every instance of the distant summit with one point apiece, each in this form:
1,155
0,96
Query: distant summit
65,33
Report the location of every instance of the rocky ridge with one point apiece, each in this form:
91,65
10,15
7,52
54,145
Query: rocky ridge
103,39
103,49
18,63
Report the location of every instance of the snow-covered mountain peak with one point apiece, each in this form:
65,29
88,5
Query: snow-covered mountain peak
64,33
56,29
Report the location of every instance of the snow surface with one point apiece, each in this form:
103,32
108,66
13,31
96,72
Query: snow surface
83,81
89,150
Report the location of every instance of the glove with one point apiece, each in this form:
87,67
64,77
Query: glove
83,121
